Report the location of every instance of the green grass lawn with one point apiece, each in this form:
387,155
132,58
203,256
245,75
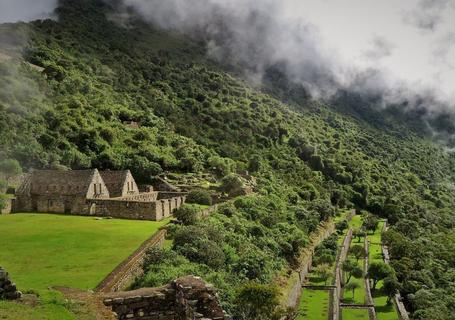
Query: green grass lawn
384,311
47,250
355,314
360,293
314,305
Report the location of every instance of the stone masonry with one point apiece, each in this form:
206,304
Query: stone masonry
93,193
186,298
8,290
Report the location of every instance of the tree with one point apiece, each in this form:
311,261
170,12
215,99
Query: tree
258,302
358,233
352,287
390,287
199,196
187,214
370,223
378,271
231,184
10,168
351,269
357,251
323,271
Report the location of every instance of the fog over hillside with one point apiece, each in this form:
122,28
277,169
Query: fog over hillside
404,54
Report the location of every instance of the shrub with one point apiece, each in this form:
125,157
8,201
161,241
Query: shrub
3,185
186,214
199,196
258,301
228,209
231,184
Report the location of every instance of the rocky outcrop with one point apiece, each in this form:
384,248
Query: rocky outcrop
183,299
8,290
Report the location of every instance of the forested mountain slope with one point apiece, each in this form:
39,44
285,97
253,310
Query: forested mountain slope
310,157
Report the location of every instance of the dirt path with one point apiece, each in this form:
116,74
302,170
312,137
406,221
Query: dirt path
86,305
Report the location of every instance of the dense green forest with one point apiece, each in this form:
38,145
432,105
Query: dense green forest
311,158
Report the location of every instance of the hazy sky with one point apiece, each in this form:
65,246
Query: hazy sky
25,10
413,40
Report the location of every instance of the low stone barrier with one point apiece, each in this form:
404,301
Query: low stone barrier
184,298
206,212
338,292
9,204
124,274
397,299
8,290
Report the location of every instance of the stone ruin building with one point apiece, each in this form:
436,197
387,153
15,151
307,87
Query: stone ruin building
92,192
186,298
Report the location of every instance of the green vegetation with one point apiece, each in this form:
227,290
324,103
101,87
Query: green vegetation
50,250
52,307
354,273
311,158
199,196
314,305
355,314
384,308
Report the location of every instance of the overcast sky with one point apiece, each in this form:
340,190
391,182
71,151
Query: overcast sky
410,40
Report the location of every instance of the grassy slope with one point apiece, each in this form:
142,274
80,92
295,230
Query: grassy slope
314,305
52,307
359,294
355,314
48,250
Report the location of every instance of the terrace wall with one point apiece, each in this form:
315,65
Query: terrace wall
131,268
337,294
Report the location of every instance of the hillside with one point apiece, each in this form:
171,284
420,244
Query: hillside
311,158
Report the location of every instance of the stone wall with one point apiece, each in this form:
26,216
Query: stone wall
168,194
186,298
8,290
137,210
337,294
145,197
9,204
131,268
397,299
206,212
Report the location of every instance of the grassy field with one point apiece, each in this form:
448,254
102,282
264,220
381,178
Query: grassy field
360,293
355,314
56,250
48,250
314,305
384,311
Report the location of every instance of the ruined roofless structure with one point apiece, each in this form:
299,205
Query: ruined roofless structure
90,192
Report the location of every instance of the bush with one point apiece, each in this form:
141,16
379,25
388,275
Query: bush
3,185
199,196
198,245
258,301
186,214
228,209
231,184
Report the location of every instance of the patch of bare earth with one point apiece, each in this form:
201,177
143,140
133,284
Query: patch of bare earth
86,305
